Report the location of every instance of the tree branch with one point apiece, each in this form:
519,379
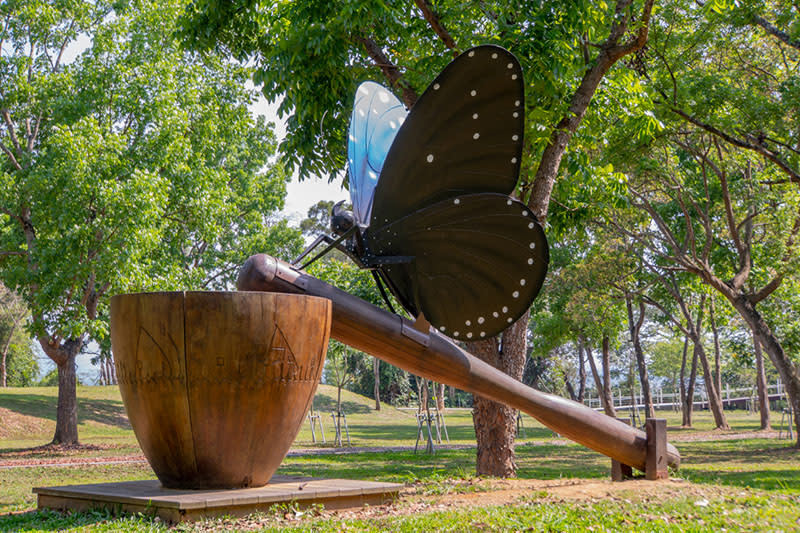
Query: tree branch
390,70
436,25
755,147
775,32
766,290
610,53
11,157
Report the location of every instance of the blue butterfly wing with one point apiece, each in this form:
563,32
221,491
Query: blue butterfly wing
376,119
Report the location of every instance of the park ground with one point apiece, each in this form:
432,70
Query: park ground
737,480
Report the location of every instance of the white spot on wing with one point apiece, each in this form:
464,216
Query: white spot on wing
494,55
522,282
457,201
483,333
469,335
513,76
532,245
513,159
505,309
510,65
476,135
514,137
515,114
530,260
524,212
429,159
455,334
474,116
473,92
510,320
509,202
481,320
471,53
495,314
515,294
516,103
468,323
531,225
436,86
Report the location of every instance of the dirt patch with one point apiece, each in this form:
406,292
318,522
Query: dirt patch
13,424
62,454
723,434
417,499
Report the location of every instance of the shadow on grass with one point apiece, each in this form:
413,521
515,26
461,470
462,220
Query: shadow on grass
534,462
47,520
784,480
327,404
109,412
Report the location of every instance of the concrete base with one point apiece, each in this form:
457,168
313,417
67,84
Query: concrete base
186,505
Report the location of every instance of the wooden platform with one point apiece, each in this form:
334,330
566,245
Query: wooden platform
186,505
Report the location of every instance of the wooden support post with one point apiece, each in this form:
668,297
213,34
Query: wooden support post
656,461
621,471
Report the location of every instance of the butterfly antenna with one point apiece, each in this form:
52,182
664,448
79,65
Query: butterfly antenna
379,283
328,248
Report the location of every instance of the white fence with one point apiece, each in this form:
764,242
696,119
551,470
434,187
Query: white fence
671,400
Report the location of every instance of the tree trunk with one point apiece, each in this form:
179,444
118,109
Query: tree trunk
714,401
689,400
4,358
761,385
581,374
682,383
67,411
376,367
635,327
717,365
338,399
786,368
440,397
602,383
570,390
63,355
495,424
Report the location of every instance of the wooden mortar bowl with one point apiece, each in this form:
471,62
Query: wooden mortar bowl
216,384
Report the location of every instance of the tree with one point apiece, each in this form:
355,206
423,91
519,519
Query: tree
724,82
13,314
136,166
566,52
344,365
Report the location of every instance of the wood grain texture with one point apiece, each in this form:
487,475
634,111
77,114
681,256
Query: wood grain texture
217,384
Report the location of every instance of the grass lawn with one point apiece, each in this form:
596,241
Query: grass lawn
725,482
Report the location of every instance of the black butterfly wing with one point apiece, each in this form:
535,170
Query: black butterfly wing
476,262
464,135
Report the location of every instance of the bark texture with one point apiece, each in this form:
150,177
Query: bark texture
495,424
635,327
761,385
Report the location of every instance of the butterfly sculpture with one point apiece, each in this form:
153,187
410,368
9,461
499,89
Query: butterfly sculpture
432,216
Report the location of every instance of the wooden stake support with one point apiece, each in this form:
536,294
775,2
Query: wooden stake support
656,454
656,460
